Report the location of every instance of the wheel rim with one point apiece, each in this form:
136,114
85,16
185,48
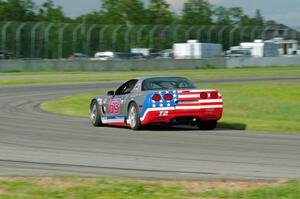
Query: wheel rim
93,113
132,117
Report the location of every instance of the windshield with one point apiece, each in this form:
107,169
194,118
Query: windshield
167,83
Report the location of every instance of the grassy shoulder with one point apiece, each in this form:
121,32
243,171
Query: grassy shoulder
61,77
77,105
262,106
251,106
114,188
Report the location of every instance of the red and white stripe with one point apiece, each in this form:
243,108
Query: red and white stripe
192,100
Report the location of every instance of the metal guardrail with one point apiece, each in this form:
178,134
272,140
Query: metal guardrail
133,65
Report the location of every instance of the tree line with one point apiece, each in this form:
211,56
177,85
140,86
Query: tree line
119,25
132,12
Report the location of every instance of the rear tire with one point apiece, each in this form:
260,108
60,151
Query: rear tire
207,125
133,116
95,114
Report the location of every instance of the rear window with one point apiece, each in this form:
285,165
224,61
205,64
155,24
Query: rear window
167,83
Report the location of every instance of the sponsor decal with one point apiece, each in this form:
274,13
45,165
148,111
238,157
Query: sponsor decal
115,106
163,113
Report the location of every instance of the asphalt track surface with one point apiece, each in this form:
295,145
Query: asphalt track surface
35,143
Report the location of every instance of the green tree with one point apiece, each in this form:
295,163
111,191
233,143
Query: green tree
235,14
17,10
230,16
258,19
51,13
246,20
197,12
222,16
159,12
91,18
270,23
123,12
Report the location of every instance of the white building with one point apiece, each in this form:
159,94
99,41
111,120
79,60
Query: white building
286,47
195,50
259,48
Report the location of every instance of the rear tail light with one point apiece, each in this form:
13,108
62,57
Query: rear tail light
168,97
156,97
203,95
214,95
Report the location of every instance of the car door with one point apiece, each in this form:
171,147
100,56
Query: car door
117,106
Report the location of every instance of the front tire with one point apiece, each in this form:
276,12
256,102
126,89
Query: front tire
95,114
133,116
207,125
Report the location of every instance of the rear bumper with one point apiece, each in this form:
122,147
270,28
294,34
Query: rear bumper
165,115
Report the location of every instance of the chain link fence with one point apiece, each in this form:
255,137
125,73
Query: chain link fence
60,40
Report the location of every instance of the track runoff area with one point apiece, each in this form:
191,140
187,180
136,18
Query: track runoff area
37,143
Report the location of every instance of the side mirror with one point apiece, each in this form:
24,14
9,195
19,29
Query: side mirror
110,93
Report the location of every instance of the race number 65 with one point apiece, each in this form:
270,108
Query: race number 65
114,106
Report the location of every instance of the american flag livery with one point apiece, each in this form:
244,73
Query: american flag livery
199,99
165,103
207,104
164,100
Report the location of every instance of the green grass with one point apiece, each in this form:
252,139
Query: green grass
252,106
290,190
113,188
60,77
77,105
262,106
